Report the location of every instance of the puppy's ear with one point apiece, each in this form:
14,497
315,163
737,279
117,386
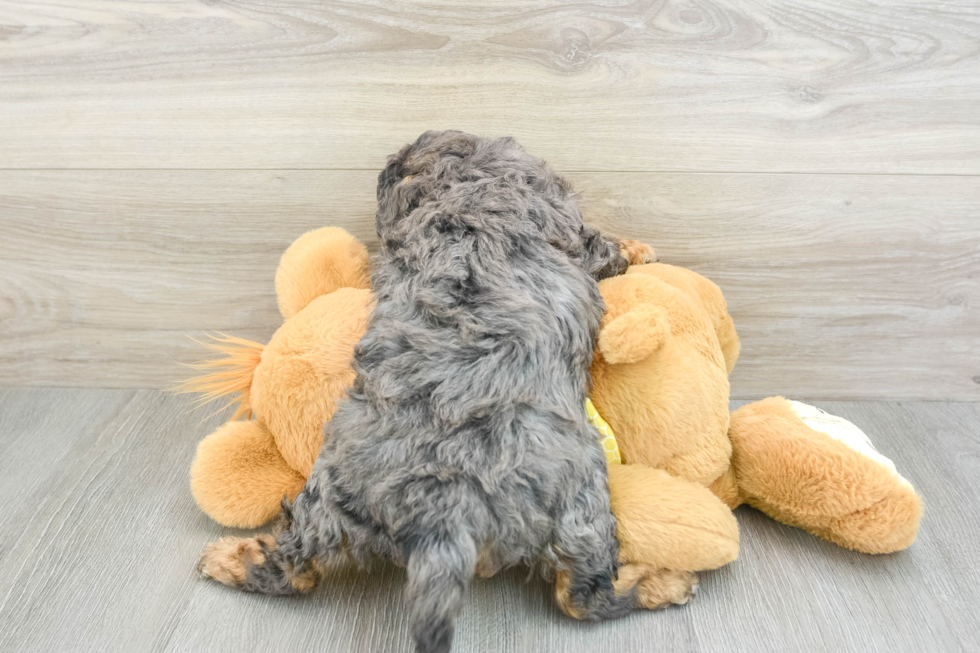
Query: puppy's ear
391,175
634,336
635,325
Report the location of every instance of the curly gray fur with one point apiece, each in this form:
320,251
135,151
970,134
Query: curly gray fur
465,434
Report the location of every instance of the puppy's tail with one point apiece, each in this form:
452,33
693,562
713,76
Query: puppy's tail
439,572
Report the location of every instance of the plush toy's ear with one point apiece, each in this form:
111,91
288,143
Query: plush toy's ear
635,325
632,337
708,295
317,263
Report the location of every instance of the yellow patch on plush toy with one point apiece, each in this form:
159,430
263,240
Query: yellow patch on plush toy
608,441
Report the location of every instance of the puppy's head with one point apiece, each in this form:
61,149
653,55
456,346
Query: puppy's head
411,174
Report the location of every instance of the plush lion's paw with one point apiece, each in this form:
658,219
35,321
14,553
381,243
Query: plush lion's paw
637,253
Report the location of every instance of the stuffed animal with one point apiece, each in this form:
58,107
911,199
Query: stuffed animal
660,381
290,386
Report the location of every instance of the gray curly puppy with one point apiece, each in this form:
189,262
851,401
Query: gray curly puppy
463,446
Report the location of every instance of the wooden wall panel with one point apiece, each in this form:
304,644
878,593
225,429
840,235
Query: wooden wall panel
841,286
720,85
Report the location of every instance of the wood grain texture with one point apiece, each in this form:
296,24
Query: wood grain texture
98,542
842,286
99,537
788,86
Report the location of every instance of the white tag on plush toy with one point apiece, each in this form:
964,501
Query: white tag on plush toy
845,432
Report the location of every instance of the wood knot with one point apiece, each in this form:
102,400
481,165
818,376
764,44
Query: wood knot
691,16
809,94
576,48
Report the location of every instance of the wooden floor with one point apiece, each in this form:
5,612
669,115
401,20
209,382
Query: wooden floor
99,536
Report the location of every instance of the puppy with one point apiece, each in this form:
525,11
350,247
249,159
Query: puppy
463,445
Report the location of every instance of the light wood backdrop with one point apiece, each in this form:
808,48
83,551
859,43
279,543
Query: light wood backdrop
819,160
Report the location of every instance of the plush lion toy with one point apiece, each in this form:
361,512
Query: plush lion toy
660,381
289,387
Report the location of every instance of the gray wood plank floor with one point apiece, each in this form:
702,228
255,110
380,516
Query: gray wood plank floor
99,536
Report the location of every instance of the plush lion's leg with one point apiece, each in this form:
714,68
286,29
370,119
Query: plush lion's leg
819,472
665,522
238,476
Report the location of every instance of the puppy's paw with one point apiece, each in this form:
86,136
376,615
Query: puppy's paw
228,559
661,588
637,253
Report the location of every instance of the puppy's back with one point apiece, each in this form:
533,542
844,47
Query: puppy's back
466,431
479,302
